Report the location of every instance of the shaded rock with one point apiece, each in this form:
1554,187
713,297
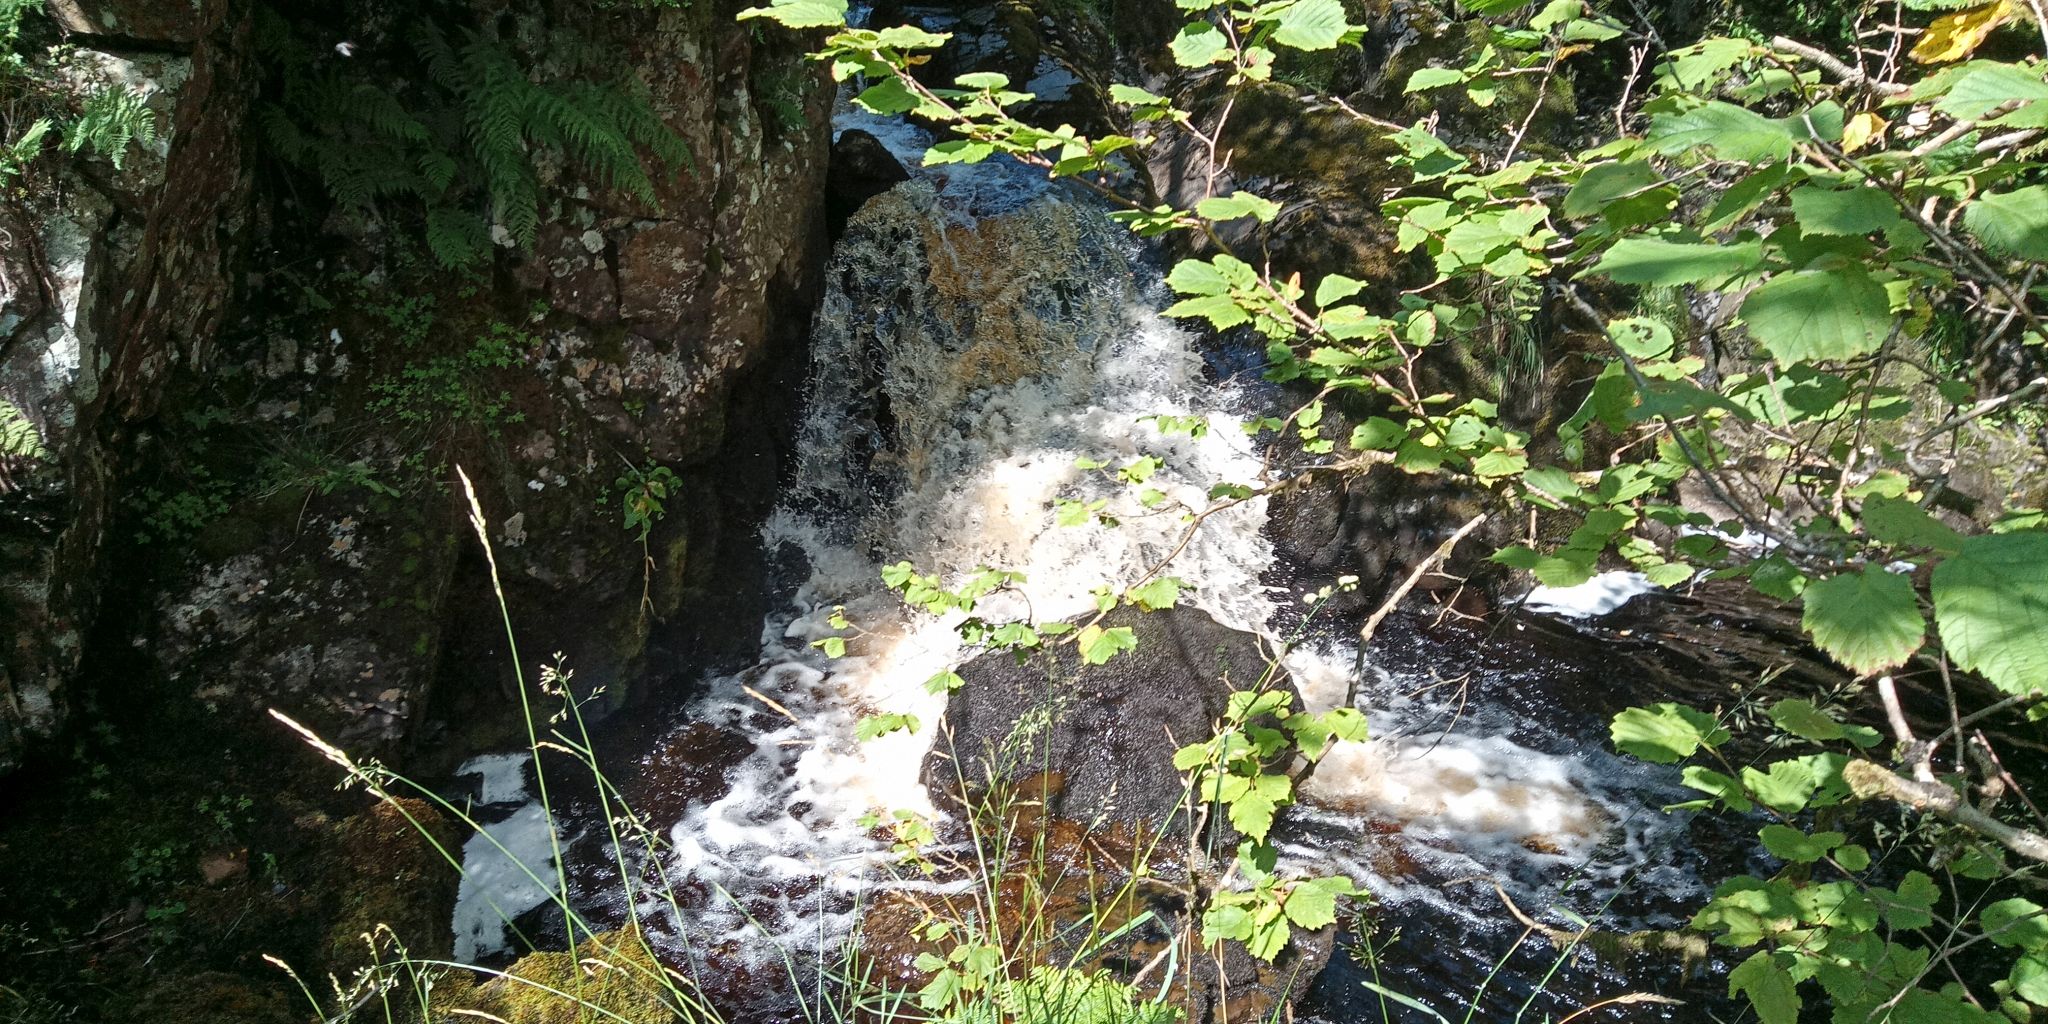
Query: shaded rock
1108,732
382,870
216,996
862,168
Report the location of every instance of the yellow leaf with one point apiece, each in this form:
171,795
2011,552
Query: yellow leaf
1955,36
1861,129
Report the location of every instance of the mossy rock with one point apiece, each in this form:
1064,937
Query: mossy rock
611,976
214,997
386,870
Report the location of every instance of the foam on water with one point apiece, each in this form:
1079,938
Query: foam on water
959,372
961,365
1596,597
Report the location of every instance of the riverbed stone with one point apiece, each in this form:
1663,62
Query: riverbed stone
1106,732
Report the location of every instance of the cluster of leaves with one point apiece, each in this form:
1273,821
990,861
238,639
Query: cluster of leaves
1832,212
1246,770
643,496
1836,917
39,106
456,389
458,148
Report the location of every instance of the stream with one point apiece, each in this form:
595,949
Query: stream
981,332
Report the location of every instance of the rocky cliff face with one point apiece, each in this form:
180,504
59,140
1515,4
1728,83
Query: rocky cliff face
273,415
113,279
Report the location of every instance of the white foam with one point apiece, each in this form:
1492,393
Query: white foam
507,870
1597,596
501,777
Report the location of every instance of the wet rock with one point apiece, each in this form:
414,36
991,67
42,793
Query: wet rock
862,168
1108,732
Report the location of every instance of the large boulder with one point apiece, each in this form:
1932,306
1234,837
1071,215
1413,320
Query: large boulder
1071,766
1101,738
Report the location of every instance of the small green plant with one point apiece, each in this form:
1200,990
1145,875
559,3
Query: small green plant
643,497
457,390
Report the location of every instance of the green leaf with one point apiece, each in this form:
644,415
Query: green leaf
1802,718
1907,908
1654,261
944,682
801,13
1159,592
1901,522
1098,645
1200,44
1786,787
958,151
1313,902
1603,184
1238,204
887,97
1819,314
1434,78
1336,288
2016,922
1852,857
1790,844
1665,733
1769,987
1867,620
1991,606
1198,277
1221,311
1732,132
2012,223
1720,786
874,726
1311,25
1850,211
1252,814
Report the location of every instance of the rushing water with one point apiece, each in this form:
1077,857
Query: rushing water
982,332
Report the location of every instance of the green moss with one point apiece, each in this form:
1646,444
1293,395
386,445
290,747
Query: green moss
610,973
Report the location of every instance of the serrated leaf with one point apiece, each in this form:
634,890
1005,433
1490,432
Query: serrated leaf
1199,45
801,13
2011,223
944,682
1866,620
1991,608
1655,261
1159,592
1311,906
1849,211
1900,522
1336,288
1311,25
1804,719
1665,733
1732,132
1238,204
1819,315
1098,645
1769,987
1720,786
1789,844
1604,183
1426,79
1252,814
